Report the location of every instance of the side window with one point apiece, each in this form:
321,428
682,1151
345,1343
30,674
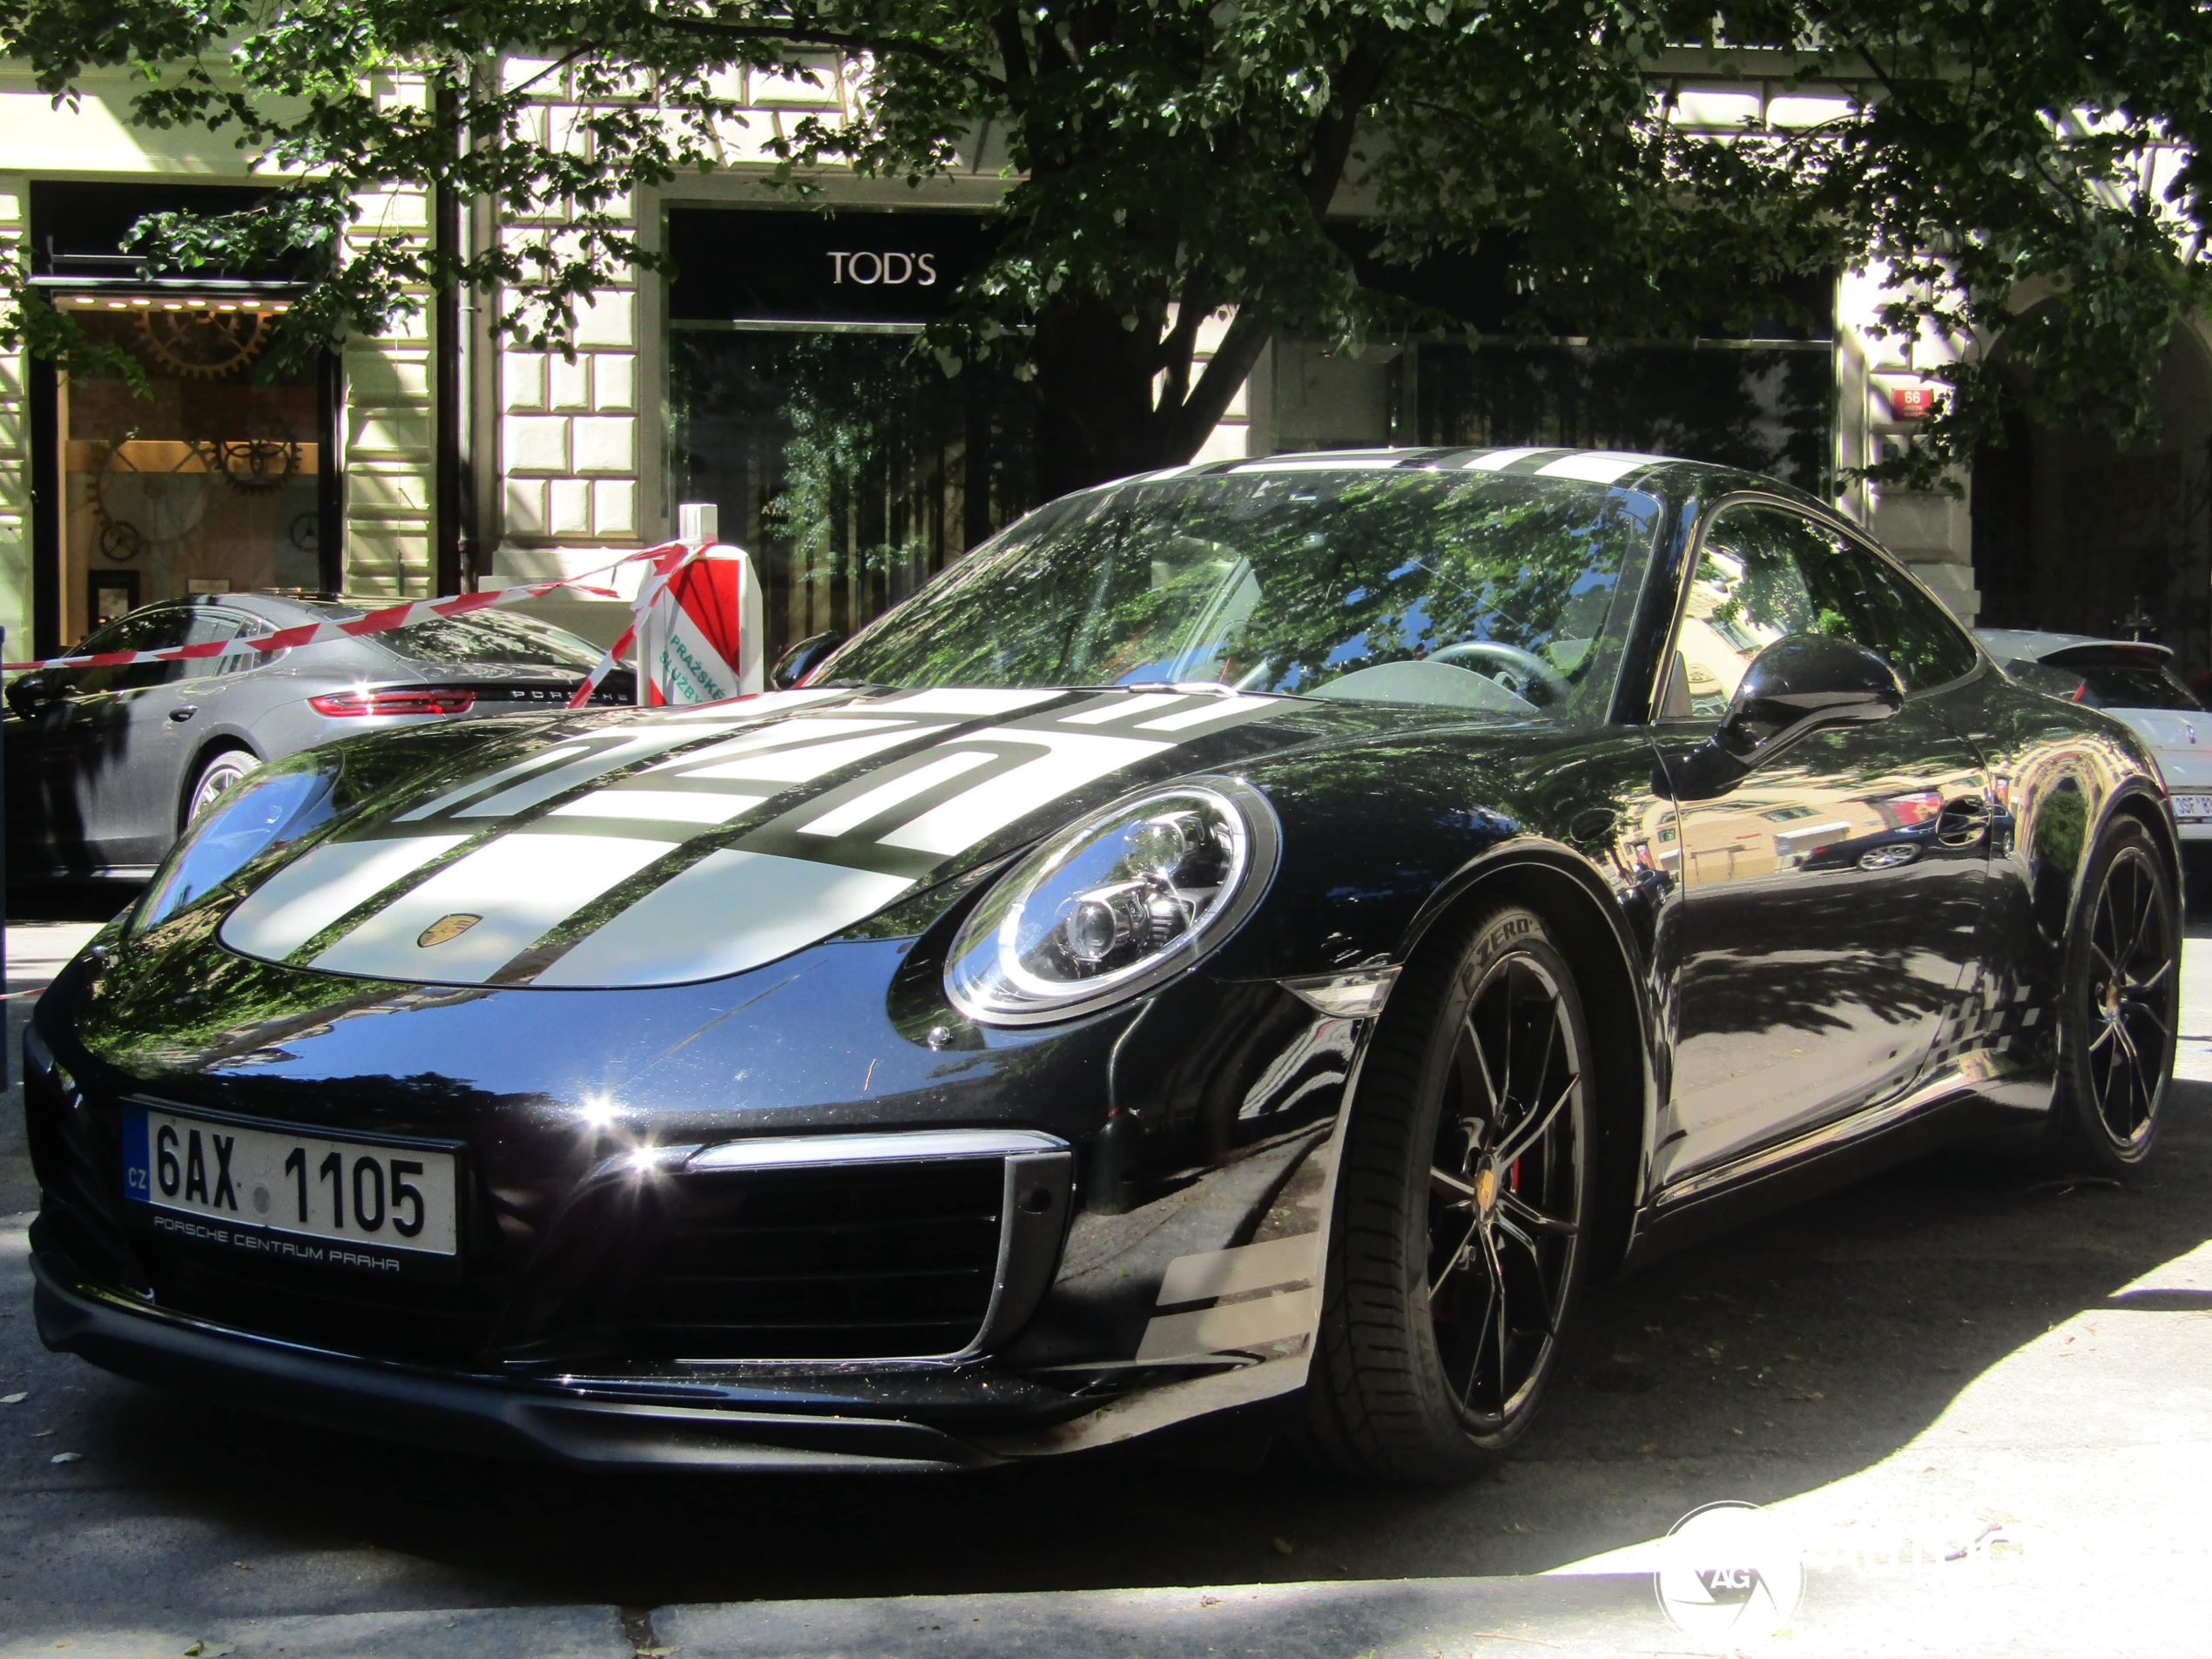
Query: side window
155,628
1764,572
1918,636
209,624
1749,589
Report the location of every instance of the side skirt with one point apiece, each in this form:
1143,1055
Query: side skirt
1951,1107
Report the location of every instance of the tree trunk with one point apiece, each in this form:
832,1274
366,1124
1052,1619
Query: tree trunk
1094,388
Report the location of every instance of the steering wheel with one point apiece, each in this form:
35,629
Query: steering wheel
1523,673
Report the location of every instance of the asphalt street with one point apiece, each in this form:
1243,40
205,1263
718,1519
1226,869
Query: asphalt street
1960,1351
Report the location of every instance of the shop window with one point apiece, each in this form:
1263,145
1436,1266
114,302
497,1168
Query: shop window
205,476
802,404
1767,407
849,466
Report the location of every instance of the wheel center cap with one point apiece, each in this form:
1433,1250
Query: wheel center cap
1485,1190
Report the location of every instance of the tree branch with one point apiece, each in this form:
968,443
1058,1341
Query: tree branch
859,45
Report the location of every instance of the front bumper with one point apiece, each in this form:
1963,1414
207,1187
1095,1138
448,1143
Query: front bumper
598,1423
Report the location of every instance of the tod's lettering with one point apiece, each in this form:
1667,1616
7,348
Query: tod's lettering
892,270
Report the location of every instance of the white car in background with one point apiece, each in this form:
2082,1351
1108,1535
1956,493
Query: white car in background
2133,681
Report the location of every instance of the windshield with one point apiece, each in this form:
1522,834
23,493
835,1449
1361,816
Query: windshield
491,636
1500,595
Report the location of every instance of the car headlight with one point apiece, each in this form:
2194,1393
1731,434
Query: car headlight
1125,900
270,809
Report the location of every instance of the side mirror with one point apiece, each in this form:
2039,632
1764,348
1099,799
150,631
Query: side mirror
802,659
28,693
1801,683
1795,685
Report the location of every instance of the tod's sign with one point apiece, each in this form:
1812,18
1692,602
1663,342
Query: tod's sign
901,269
892,270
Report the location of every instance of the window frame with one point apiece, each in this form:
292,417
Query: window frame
1664,664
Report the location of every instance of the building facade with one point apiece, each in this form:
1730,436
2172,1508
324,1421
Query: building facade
775,376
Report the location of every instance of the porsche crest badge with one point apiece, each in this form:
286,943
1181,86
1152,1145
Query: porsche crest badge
447,928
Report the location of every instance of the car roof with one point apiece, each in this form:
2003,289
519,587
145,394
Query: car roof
1558,460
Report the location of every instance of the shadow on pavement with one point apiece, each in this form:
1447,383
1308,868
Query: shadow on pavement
1761,1365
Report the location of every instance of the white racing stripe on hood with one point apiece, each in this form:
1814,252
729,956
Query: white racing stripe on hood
841,820
729,912
1122,711
633,747
321,885
1214,708
1076,758
801,765
521,885
658,805
813,730
961,699
922,787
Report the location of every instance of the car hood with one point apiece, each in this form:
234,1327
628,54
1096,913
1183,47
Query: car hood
655,848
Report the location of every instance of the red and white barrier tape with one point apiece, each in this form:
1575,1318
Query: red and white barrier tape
667,561
673,555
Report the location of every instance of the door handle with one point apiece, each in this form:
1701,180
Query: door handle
183,712
1962,822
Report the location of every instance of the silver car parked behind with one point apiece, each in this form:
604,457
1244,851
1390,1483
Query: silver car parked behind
105,765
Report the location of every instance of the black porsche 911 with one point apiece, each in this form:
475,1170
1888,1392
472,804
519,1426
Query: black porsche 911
1256,937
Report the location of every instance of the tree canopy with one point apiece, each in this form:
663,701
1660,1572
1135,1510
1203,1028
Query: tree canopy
1168,160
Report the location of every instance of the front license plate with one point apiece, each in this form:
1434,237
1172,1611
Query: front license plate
2186,807
352,1205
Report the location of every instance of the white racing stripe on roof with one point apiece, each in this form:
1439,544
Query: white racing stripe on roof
1076,758
731,911
1498,460
321,885
851,814
521,885
1339,463
1599,467
659,806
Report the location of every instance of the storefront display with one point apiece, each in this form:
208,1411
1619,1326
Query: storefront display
802,403
205,477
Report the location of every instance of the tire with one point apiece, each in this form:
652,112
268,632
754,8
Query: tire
2119,1009
1412,1378
217,773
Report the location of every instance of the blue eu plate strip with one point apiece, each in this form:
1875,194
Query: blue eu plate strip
137,1171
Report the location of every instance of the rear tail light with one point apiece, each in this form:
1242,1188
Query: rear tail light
409,702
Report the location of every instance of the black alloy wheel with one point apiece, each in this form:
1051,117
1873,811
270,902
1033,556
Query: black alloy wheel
2121,1006
1462,1212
